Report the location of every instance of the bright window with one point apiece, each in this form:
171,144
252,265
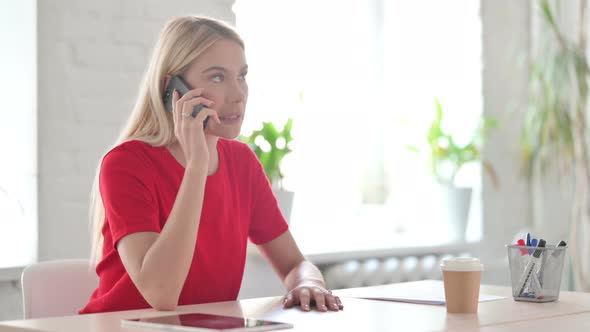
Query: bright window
18,133
360,79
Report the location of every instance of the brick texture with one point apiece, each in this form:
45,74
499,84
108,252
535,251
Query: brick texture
91,58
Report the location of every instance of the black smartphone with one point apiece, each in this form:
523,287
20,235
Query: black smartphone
178,84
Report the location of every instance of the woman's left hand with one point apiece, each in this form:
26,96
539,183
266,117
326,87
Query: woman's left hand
307,294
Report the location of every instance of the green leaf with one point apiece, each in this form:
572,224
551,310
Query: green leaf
547,133
445,151
271,160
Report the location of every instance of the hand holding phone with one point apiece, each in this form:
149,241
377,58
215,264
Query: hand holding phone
189,132
178,84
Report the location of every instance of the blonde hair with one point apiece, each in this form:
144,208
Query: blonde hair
180,43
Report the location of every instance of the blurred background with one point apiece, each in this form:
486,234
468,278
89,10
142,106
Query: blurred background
395,133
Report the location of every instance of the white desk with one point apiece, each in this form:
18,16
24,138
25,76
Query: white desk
567,323
360,315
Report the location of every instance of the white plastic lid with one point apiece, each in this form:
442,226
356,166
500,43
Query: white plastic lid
461,264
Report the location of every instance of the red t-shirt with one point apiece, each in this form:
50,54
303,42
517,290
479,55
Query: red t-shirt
138,186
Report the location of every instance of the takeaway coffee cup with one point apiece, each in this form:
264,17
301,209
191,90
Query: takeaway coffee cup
461,277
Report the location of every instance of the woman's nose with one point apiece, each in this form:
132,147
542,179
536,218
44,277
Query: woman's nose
238,92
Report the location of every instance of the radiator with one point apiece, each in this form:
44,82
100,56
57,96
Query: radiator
385,270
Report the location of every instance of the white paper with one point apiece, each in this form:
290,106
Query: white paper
421,293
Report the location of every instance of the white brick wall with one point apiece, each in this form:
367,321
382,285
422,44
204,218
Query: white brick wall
91,57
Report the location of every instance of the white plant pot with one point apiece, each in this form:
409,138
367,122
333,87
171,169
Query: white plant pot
285,200
456,202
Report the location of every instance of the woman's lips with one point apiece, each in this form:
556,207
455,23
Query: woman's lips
229,119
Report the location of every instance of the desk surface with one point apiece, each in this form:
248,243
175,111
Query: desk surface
572,309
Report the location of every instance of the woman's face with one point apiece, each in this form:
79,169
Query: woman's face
221,71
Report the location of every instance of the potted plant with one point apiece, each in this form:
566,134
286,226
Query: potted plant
271,145
447,158
554,135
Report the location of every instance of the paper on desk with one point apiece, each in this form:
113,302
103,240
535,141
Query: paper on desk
433,296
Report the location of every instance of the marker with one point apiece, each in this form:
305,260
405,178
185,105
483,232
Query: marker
523,252
521,243
546,261
533,244
530,268
528,239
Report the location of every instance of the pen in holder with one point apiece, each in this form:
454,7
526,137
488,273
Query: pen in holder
535,272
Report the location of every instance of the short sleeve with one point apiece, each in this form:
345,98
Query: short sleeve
127,192
267,220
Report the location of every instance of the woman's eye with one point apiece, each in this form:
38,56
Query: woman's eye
243,76
217,78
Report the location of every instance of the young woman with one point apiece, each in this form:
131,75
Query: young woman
175,201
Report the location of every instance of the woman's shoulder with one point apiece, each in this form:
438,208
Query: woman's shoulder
135,153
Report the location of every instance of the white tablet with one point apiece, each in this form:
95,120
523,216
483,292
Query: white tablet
206,323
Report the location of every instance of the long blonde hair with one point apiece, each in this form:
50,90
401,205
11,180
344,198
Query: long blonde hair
181,41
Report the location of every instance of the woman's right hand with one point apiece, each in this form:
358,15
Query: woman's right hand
189,131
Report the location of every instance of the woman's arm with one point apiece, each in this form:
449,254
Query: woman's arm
158,264
303,280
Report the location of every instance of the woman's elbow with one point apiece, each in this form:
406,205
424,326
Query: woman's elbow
162,302
159,298
164,306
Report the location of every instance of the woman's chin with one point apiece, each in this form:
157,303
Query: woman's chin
227,133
